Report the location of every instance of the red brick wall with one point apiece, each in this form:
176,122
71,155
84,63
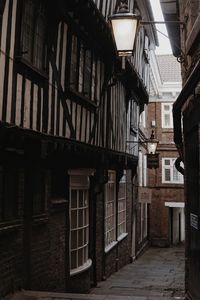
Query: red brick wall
161,192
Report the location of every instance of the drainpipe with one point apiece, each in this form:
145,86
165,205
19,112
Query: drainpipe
188,89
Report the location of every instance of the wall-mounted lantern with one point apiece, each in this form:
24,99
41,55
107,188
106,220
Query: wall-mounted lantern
151,146
124,26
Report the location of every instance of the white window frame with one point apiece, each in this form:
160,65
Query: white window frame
140,169
79,182
110,212
144,170
171,168
121,217
167,112
143,119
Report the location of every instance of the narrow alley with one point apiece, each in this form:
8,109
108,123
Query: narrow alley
156,275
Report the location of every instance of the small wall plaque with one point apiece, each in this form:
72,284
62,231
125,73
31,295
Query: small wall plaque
194,221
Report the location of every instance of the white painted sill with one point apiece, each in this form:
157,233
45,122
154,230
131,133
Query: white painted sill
113,244
122,236
82,268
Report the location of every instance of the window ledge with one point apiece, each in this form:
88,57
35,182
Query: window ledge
40,219
31,67
112,245
81,99
122,236
59,203
172,182
8,227
82,268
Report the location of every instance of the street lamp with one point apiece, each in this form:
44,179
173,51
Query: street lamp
124,26
152,144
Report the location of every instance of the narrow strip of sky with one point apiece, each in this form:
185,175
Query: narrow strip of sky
164,44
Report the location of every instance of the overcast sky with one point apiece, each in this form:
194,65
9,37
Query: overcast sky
164,43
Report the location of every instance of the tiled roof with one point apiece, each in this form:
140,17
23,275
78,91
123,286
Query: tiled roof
170,69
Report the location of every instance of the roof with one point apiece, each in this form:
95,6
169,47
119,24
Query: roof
170,69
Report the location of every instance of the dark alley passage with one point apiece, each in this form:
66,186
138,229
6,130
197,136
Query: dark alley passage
157,273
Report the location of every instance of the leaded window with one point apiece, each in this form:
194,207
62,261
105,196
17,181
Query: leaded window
84,68
33,33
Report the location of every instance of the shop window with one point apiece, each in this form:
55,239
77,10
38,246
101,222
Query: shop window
121,220
79,222
110,210
33,33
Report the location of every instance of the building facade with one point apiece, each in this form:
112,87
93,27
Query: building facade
167,219
67,106
186,111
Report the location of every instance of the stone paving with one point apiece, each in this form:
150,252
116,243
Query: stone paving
157,275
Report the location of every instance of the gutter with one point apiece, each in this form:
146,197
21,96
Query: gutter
187,90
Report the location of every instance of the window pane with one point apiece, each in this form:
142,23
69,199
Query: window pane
176,174
73,67
73,219
81,203
73,199
79,220
73,239
33,32
80,257
167,120
39,38
80,238
167,162
167,174
73,260
166,107
87,73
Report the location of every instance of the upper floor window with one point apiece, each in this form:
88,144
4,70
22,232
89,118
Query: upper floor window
134,117
33,33
169,171
143,119
167,121
83,70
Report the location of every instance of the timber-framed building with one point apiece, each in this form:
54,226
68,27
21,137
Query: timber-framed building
67,108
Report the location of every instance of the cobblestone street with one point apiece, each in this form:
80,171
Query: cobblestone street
156,275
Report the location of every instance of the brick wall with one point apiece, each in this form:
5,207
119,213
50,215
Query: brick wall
119,255
11,248
162,192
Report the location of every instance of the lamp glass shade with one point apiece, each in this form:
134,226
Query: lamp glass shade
124,28
152,146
